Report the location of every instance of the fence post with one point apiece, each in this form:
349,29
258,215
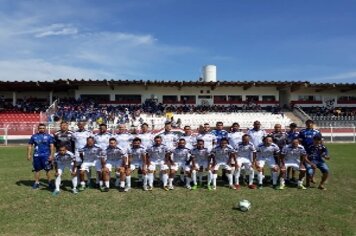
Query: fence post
331,133
6,134
353,126
33,129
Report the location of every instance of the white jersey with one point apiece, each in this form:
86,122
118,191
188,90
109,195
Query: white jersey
269,152
190,140
235,137
209,140
181,154
146,139
137,153
66,159
157,153
80,138
102,140
169,139
293,154
200,155
124,140
256,136
245,150
222,154
91,154
115,154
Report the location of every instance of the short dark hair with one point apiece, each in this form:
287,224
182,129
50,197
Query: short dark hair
317,138
90,137
309,121
64,122
219,123
224,139
144,124
136,139
112,139
103,124
293,125
187,126
200,140
181,139
62,146
235,123
41,124
158,137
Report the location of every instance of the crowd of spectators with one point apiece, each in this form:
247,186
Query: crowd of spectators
27,105
333,111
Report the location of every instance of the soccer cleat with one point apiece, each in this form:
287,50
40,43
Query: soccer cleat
252,186
171,187
101,188
50,186
237,186
275,187
55,193
188,187
106,189
232,187
280,187
209,187
126,189
194,187
81,188
302,187
145,188
36,186
149,188
165,188
213,188
74,191
260,186
321,187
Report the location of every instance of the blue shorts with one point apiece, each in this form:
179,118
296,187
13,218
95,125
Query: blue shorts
41,163
322,166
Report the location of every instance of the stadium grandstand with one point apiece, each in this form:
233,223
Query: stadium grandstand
23,104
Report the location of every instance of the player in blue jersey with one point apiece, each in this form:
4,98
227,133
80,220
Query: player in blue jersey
219,132
42,155
307,135
317,154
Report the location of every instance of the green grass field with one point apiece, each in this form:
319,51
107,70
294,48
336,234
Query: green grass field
24,211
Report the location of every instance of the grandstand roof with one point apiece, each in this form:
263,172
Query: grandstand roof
65,84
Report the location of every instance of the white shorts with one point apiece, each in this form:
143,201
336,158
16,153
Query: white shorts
180,165
294,165
154,164
135,165
87,164
203,164
111,164
271,163
244,162
62,166
224,165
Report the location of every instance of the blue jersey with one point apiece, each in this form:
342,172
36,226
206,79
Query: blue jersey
42,143
219,134
307,136
316,153
291,135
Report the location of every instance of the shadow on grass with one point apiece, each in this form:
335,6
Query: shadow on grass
65,186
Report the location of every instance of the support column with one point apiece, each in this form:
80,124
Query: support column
50,97
14,99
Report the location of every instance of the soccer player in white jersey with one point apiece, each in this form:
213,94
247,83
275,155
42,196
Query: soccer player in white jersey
222,156
256,134
208,137
293,156
137,158
180,160
169,138
123,138
235,135
91,157
246,157
145,136
190,139
80,140
64,159
158,155
200,160
102,138
114,159
267,153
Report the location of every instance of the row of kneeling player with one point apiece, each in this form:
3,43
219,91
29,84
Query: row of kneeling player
193,163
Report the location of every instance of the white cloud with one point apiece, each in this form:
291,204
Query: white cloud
40,70
55,30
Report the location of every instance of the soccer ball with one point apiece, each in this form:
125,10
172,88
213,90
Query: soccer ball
244,205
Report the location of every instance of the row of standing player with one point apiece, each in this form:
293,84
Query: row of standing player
64,137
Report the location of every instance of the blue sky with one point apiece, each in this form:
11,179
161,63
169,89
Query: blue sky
172,39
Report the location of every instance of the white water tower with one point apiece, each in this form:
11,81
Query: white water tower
209,73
